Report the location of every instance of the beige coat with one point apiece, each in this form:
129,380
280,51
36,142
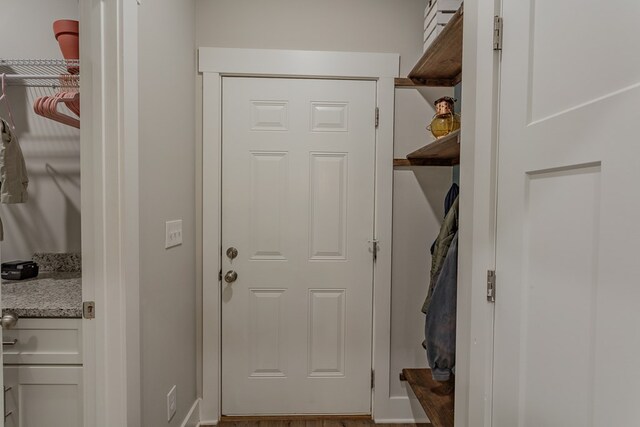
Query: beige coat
13,171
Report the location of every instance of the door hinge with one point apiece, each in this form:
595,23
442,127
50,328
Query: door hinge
491,285
375,243
373,379
220,276
377,117
89,309
497,33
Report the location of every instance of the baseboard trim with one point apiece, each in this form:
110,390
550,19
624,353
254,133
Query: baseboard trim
321,417
399,409
378,421
193,416
401,420
302,418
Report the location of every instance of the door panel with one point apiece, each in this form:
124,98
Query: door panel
265,333
571,63
297,199
328,213
269,194
566,335
44,396
327,332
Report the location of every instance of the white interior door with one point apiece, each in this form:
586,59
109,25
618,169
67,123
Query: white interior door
297,200
567,335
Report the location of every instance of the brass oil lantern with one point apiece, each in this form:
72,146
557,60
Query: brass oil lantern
445,120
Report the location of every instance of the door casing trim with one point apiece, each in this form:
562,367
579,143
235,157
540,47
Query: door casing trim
215,63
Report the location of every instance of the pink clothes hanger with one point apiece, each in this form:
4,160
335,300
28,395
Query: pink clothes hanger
4,98
37,105
72,101
73,105
46,106
51,108
69,82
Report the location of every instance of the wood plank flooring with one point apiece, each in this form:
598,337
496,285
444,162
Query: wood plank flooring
304,421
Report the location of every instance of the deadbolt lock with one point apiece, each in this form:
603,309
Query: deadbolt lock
232,252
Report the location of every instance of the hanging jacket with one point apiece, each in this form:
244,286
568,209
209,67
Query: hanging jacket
440,321
441,247
13,171
451,197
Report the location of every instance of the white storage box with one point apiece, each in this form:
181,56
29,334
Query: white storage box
437,14
429,38
443,5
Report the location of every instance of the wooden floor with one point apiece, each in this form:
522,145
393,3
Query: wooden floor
304,421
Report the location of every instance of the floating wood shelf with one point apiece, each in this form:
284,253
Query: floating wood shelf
441,152
441,64
435,397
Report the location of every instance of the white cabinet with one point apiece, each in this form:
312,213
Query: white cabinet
44,341
43,373
38,396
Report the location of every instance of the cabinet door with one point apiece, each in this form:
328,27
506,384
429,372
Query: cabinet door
39,396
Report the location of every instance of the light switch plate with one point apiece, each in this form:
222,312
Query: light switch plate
173,233
171,403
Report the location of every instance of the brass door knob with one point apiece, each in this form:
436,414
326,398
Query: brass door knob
8,320
231,276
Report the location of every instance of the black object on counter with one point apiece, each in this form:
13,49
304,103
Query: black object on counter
19,270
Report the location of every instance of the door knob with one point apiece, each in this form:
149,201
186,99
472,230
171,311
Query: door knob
9,320
232,252
231,276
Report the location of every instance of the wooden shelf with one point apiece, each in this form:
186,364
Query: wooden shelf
441,152
435,397
441,64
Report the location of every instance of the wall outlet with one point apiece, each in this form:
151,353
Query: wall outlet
173,233
171,403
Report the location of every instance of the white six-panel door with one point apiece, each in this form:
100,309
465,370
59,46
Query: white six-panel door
297,200
567,338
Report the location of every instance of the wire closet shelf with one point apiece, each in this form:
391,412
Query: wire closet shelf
53,73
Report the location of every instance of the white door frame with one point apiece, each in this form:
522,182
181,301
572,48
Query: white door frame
478,180
215,63
109,209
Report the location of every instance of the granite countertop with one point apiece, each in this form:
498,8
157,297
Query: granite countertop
50,294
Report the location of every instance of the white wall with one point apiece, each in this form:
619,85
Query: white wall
367,26
50,220
167,180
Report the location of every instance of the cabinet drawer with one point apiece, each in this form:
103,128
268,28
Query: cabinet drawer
44,341
38,396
